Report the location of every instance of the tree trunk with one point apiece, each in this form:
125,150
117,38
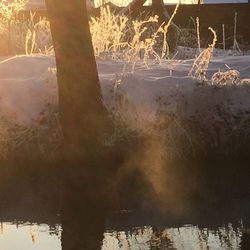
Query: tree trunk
133,6
82,113
85,169
159,8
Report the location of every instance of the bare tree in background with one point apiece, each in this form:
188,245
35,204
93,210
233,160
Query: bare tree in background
158,8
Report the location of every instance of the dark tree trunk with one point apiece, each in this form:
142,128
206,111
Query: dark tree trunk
159,8
85,169
82,113
135,7
132,7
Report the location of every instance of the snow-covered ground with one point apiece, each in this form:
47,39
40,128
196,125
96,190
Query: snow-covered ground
27,83
23,87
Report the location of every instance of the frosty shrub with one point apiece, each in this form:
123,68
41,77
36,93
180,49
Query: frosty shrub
201,63
230,77
118,37
8,18
113,36
108,33
20,35
42,137
38,37
9,9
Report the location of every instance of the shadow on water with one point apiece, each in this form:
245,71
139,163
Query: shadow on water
95,213
84,208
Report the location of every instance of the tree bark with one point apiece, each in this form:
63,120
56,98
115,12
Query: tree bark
159,8
135,5
83,115
85,169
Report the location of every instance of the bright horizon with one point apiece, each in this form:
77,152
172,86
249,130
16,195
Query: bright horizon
41,3
126,2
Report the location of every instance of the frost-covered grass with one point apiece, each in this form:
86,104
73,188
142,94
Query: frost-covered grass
188,117
42,137
20,35
117,37
113,36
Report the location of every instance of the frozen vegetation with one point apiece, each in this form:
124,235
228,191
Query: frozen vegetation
158,98
195,103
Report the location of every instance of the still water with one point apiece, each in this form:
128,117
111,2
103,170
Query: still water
32,236
23,236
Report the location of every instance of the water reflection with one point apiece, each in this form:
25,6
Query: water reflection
82,229
83,211
86,221
29,236
186,237
41,236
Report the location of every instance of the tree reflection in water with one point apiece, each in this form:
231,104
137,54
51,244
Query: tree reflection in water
84,209
84,227
87,222
85,212
186,237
